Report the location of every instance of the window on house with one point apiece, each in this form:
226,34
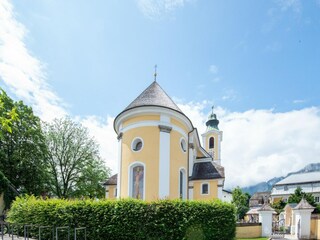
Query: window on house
211,142
205,188
182,184
317,199
115,191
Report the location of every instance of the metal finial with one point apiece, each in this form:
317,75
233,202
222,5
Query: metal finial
155,72
212,108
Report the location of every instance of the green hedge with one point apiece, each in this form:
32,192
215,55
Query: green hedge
131,219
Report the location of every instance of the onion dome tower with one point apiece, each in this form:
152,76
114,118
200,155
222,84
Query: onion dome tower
212,138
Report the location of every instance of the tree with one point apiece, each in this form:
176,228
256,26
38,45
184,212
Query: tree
278,206
299,194
8,116
21,146
75,167
241,202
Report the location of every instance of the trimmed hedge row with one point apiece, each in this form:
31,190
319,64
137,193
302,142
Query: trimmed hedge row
131,219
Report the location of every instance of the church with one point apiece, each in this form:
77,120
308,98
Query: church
160,155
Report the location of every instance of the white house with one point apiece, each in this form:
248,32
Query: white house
309,182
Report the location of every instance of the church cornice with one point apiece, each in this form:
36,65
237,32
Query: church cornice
139,111
164,128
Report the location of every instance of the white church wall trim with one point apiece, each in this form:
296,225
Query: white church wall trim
119,167
164,165
156,110
153,124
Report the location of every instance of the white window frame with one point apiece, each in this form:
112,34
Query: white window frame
134,143
209,142
184,184
202,188
186,145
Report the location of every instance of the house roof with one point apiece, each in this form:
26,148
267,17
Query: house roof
266,207
303,204
206,170
227,191
154,95
291,205
300,178
254,210
112,180
259,195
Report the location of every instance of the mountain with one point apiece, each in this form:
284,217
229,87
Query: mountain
267,186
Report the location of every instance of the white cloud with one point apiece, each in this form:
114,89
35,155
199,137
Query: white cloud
294,5
299,101
157,8
257,144
25,77
229,95
102,130
216,79
20,71
213,69
195,111
273,47
261,144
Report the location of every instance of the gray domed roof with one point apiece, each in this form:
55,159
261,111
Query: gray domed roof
154,95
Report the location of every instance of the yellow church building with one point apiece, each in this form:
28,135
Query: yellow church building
160,155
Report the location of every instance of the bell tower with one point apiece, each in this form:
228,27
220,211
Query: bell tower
212,138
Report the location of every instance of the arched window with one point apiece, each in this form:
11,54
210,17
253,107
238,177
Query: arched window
182,184
137,181
211,142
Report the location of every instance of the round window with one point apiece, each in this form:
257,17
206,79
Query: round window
137,144
183,145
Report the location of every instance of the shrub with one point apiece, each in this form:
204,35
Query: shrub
130,219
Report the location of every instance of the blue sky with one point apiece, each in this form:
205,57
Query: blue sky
254,60
267,53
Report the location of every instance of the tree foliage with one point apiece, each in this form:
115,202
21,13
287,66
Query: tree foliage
75,167
299,194
240,201
8,113
278,206
22,146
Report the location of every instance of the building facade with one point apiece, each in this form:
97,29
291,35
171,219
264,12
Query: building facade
160,155
309,183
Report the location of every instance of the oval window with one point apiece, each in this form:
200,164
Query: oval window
183,145
137,144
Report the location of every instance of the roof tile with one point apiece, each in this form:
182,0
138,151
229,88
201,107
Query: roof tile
154,95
